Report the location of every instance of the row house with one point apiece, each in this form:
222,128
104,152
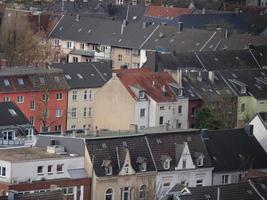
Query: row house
15,129
151,99
40,93
44,170
120,170
82,39
84,80
232,163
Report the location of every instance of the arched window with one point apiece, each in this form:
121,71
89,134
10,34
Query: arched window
109,194
142,192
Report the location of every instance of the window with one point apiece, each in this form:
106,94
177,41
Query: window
85,112
31,119
75,59
142,112
166,164
20,81
6,82
89,112
58,113
200,161
119,57
60,168
90,95
59,96
199,182
45,129
57,42
142,192
141,94
2,171
58,128
73,112
70,45
6,98
45,97
125,193
109,194
184,163
82,46
32,105
49,169
74,95
180,109
40,170
86,95
242,107
126,168
136,52
135,65
108,170
143,167
20,99
225,179
160,120
161,107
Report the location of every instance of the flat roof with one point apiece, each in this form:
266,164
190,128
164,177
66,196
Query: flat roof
27,154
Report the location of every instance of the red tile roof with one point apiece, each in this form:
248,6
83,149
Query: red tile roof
143,79
166,12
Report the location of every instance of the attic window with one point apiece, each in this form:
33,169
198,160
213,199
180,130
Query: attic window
68,76
6,82
20,81
141,94
107,164
166,161
243,90
12,112
166,164
142,164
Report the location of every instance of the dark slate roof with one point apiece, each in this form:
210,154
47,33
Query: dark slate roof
254,79
263,52
261,185
202,21
53,79
7,119
52,195
135,12
93,74
102,31
164,144
204,88
207,60
236,191
108,148
234,149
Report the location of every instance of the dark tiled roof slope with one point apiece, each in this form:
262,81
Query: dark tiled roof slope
164,144
234,149
108,149
94,74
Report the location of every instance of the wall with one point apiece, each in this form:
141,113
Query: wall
189,176
142,122
114,106
52,105
29,168
80,104
259,131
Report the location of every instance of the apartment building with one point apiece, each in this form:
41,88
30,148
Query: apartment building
84,80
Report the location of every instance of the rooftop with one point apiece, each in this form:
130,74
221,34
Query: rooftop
166,12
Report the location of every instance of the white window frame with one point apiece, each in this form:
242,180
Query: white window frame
20,99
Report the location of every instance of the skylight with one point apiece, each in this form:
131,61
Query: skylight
80,76
6,82
12,112
67,76
20,81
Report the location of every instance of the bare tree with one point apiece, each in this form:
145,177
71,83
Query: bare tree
20,44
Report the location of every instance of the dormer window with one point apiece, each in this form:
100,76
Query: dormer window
199,159
107,164
243,90
166,164
6,82
141,94
20,81
142,164
126,169
184,163
166,161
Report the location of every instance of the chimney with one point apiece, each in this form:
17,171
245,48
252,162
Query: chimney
218,193
77,18
199,77
211,76
180,27
179,77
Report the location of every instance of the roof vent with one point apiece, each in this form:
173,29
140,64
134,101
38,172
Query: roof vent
77,18
161,35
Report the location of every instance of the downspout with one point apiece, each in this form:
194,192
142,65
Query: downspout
148,113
